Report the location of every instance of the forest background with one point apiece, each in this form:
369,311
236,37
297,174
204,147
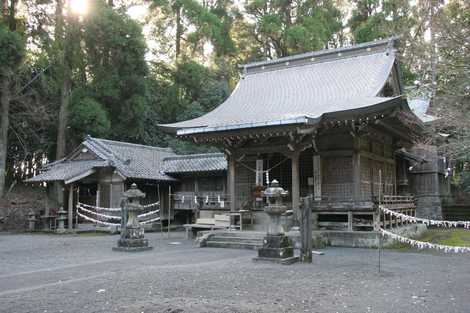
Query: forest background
115,69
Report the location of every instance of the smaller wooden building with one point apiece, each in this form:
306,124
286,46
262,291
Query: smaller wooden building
99,170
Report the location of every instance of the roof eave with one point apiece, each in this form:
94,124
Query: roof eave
200,130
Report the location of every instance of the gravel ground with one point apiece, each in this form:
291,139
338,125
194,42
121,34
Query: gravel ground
49,273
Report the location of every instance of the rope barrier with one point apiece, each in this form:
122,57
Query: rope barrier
99,214
151,205
150,221
114,209
408,218
424,245
99,208
148,213
96,221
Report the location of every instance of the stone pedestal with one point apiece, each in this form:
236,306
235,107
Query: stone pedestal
278,249
132,233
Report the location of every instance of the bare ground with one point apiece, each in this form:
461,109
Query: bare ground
49,273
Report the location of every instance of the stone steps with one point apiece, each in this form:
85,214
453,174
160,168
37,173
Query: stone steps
235,240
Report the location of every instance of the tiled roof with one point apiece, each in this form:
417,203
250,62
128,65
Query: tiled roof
420,108
133,160
302,89
130,160
195,163
65,170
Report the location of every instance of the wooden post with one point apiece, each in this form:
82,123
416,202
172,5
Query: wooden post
306,230
98,191
317,177
169,208
356,176
295,184
350,221
70,208
231,183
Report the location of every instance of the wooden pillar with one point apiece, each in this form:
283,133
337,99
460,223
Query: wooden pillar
356,176
70,208
350,221
317,177
306,231
98,191
231,183
295,184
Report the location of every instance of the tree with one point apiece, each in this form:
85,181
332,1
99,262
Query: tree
117,73
11,55
287,27
452,101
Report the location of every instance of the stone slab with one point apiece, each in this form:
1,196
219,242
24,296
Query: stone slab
285,261
132,249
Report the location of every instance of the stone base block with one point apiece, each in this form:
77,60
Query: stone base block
276,248
132,245
132,249
284,261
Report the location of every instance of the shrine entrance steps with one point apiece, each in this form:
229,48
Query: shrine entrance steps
231,239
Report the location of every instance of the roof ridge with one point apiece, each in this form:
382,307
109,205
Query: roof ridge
124,143
100,146
387,43
194,156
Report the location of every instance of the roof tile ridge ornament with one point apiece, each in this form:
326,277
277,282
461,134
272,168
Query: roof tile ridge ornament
113,159
93,144
315,56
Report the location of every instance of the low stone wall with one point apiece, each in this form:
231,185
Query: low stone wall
362,239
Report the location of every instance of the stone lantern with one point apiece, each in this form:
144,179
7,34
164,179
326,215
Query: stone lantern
132,233
277,247
32,220
62,216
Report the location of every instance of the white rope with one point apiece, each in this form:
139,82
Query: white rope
96,221
115,209
148,213
99,208
151,220
424,245
151,205
99,214
408,218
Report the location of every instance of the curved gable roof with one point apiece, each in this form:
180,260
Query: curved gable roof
301,89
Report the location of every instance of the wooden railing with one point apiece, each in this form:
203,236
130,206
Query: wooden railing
401,204
398,202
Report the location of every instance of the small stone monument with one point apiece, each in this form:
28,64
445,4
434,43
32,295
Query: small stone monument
132,233
277,247
62,216
32,220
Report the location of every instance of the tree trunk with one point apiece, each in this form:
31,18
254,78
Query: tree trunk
4,8
432,16
63,114
179,33
12,15
65,91
59,21
5,108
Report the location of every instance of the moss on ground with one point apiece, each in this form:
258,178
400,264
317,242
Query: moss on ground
444,236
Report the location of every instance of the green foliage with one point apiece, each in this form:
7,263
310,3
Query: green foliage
115,59
12,49
88,117
283,28
373,19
